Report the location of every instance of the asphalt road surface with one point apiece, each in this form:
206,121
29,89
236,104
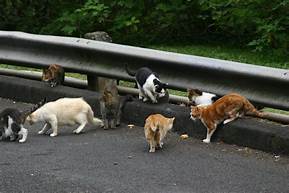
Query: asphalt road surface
118,161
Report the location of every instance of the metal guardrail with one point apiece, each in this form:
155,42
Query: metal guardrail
83,84
263,85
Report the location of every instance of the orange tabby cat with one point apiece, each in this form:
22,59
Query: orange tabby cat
156,128
226,109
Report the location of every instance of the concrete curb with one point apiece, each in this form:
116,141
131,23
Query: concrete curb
248,132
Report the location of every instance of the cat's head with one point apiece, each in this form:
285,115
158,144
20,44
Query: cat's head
171,122
160,87
51,72
195,112
46,75
31,119
193,94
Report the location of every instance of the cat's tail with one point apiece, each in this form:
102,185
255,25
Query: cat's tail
252,111
124,100
129,71
93,120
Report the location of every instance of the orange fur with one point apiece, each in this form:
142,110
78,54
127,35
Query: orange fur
226,109
156,128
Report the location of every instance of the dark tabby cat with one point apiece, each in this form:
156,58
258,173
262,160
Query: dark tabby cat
54,75
11,123
111,104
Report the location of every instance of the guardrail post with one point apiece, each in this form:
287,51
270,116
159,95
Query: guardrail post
94,82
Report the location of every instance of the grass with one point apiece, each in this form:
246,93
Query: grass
276,111
228,52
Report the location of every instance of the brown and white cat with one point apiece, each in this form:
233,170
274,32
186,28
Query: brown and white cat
64,111
225,109
156,128
54,75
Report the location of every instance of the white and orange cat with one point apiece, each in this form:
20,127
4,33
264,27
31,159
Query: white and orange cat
225,109
156,128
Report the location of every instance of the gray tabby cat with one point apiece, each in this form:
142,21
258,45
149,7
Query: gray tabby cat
111,104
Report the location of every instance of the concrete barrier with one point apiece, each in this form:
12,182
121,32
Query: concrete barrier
249,132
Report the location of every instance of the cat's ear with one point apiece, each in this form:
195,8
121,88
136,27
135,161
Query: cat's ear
173,119
44,100
195,92
165,85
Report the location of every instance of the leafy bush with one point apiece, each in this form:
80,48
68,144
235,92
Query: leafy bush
261,24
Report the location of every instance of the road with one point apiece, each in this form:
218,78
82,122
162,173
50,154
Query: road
117,160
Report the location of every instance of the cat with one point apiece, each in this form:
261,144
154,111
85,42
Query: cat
98,36
197,97
64,111
12,120
54,75
149,85
156,128
225,109
111,104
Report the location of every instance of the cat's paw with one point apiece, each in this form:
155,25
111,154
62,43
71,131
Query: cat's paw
53,134
12,138
40,132
206,141
161,145
152,150
22,140
77,131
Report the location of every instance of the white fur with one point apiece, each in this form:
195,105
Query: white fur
148,90
8,130
64,111
23,132
209,135
204,99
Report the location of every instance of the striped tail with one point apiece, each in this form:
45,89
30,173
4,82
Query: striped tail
252,111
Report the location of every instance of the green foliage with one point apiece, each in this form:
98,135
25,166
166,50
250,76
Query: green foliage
31,16
260,24
88,17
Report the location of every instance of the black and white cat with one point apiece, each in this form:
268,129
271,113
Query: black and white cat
149,85
11,123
